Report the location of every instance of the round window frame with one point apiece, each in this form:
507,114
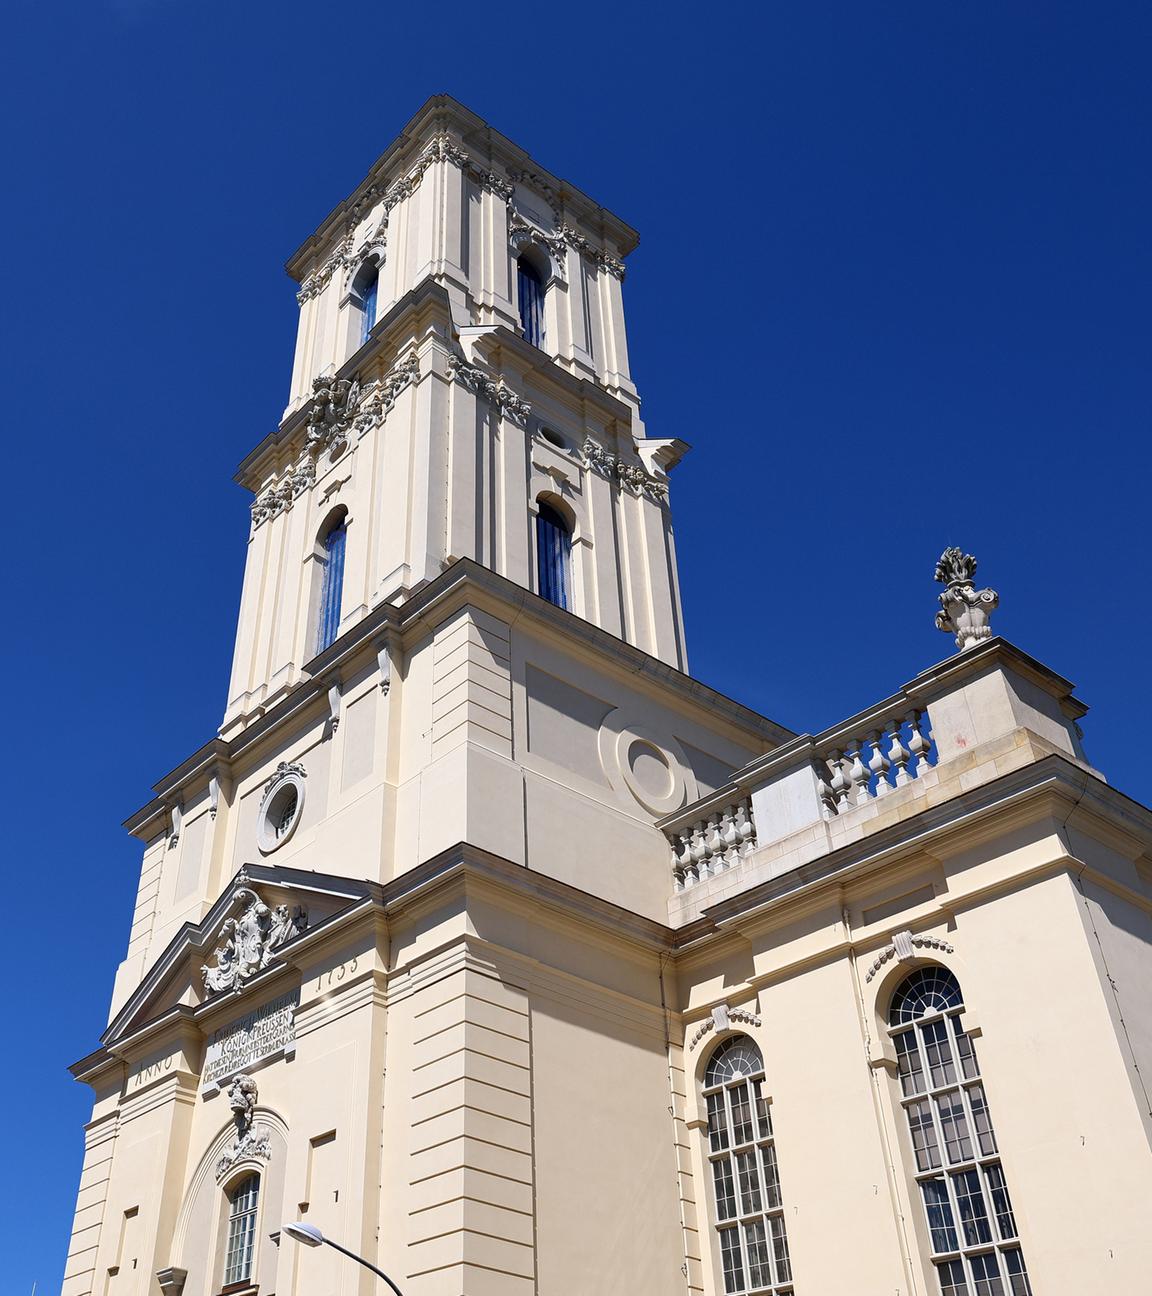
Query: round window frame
267,838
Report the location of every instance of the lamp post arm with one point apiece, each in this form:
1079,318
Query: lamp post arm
360,1260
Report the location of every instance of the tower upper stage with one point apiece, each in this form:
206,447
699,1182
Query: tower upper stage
456,202
461,389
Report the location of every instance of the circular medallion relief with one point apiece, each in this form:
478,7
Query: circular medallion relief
650,769
645,761
280,807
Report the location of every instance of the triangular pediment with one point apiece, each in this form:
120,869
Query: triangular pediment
238,944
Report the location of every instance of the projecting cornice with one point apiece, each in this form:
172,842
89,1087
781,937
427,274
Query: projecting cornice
1053,789
494,160
1050,794
462,869
401,330
465,583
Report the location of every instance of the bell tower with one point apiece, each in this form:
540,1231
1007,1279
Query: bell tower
412,898
461,389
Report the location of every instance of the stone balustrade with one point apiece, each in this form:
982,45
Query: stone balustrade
883,756
977,715
710,845
851,764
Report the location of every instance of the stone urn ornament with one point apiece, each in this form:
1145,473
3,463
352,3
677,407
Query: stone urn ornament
964,610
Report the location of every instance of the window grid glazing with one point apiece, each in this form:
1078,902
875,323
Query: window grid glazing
971,1225
749,1213
241,1230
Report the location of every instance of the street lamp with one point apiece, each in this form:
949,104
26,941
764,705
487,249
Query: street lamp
310,1235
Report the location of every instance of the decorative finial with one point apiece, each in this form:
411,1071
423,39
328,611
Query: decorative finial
964,609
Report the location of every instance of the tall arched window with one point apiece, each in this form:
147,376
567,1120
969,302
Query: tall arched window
975,1246
530,288
242,1203
553,554
332,581
749,1212
368,294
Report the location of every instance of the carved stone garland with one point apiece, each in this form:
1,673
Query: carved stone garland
340,408
440,149
249,941
721,1019
565,236
252,1142
903,947
634,477
349,257
492,389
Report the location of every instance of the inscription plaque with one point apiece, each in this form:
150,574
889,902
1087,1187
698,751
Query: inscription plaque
260,1034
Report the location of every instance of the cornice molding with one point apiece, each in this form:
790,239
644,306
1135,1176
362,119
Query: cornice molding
347,255
1051,787
436,117
462,583
461,865
399,331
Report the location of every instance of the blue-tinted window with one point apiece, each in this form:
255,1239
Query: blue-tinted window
553,549
531,293
368,306
333,581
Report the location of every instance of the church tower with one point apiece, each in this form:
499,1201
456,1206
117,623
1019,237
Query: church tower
484,942
461,389
457,708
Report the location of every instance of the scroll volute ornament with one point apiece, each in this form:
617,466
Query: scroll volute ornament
248,941
964,610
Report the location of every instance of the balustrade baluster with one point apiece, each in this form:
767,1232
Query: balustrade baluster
745,827
700,852
857,773
898,756
730,837
918,744
824,787
684,855
840,785
715,844
878,764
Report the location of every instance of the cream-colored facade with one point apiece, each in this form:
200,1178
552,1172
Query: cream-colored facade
443,945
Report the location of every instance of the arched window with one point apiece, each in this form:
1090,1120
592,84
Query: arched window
975,1246
366,291
553,554
530,287
749,1212
332,581
242,1203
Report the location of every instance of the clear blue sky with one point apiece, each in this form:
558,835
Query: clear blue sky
893,287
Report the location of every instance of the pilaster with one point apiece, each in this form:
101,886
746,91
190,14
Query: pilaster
471,1165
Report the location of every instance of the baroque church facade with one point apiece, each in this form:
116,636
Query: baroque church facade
488,942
